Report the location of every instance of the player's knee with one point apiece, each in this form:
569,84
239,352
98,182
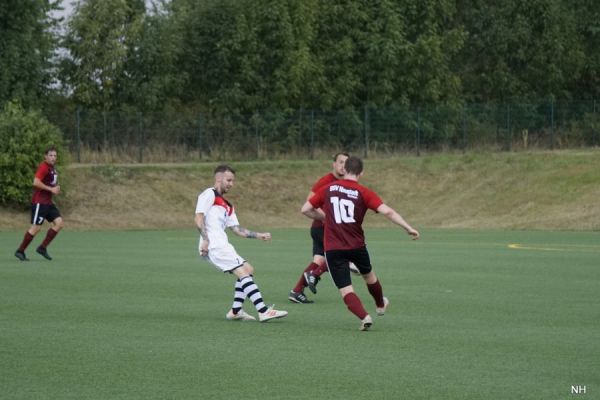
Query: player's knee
346,290
370,278
247,269
58,224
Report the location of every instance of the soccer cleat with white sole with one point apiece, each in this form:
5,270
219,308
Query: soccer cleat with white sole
299,298
366,323
240,316
311,281
354,269
270,314
381,310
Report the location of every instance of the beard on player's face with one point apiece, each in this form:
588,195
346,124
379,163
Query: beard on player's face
225,186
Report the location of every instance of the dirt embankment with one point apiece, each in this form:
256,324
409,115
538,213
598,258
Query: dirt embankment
546,190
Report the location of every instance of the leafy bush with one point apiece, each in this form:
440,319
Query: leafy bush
24,136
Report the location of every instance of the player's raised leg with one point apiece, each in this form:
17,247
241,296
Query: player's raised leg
57,225
297,293
252,292
376,291
36,226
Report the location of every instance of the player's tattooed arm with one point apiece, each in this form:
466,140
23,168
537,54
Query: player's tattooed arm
203,234
201,225
246,233
243,232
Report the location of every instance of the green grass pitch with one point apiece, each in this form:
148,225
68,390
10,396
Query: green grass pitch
137,315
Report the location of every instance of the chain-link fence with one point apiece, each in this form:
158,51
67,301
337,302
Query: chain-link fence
152,137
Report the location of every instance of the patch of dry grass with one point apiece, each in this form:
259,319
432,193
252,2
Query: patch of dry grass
533,190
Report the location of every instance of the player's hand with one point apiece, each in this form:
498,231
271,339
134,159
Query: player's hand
204,249
414,234
55,189
264,236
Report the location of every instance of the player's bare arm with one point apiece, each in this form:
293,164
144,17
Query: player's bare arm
311,212
396,218
321,216
202,230
248,234
38,184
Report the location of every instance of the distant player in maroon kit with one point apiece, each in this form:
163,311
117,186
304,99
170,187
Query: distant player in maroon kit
312,273
342,205
45,185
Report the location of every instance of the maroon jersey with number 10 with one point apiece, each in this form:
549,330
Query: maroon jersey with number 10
345,204
47,174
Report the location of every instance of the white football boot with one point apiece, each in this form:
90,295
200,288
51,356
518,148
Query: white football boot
270,314
240,316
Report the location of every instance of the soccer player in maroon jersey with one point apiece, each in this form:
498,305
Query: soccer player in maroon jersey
342,205
312,273
45,185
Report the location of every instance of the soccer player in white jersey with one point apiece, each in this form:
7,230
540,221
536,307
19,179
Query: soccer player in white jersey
213,215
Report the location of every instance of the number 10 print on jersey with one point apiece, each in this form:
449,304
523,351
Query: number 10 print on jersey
343,210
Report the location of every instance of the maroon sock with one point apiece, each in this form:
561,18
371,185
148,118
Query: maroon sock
49,237
355,306
377,293
320,270
26,240
301,284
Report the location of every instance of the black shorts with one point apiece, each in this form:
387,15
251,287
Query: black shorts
317,235
337,262
41,212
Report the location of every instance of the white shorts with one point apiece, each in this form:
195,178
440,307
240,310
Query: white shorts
224,258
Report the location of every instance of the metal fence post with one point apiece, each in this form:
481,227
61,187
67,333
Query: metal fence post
594,126
256,132
464,129
200,137
78,131
366,129
142,138
508,129
104,129
418,131
312,134
552,124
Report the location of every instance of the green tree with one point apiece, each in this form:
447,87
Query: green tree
24,135
204,62
284,66
101,39
246,55
153,76
587,14
27,45
426,73
386,52
520,49
336,49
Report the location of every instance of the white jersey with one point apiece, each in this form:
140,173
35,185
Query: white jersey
219,214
